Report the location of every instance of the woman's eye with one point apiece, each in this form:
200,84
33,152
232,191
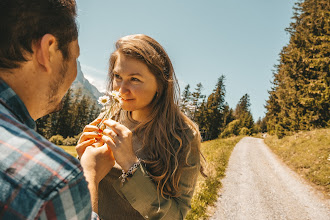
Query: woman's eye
116,76
135,79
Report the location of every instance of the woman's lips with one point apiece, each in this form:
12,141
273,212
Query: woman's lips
127,100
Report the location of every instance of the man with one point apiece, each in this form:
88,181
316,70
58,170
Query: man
38,52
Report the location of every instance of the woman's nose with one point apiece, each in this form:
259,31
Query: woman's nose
123,88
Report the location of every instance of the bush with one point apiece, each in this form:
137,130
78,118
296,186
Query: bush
57,139
70,141
225,133
231,129
244,131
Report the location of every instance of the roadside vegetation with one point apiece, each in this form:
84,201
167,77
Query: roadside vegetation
216,153
308,153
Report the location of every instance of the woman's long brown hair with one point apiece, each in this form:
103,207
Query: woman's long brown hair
167,133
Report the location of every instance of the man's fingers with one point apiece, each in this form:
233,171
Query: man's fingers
105,149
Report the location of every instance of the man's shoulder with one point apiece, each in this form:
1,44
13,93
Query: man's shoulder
30,161
34,173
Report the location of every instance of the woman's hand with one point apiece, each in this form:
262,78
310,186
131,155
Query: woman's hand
119,139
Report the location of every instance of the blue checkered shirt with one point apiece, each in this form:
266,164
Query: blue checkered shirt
38,180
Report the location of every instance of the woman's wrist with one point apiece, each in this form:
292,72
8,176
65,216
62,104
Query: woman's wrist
129,173
125,167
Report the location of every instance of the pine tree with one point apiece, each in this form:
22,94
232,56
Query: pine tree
41,125
228,115
242,106
200,118
196,99
243,113
214,110
260,126
64,122
81,115
300,98
186,102
94,112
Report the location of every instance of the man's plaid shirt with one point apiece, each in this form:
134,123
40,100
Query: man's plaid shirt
38,180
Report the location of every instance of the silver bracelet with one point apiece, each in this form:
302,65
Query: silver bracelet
130,171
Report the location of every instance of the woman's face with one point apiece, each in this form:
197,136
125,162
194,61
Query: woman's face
137,85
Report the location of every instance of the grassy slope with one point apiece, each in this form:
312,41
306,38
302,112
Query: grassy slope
217,153
308,153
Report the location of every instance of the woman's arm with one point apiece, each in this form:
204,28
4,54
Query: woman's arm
141,192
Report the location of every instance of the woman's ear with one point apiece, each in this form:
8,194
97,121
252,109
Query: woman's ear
45,51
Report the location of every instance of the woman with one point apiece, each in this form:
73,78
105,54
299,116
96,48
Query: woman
155,145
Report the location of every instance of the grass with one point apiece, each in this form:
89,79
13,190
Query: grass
217,153
70,149
308,153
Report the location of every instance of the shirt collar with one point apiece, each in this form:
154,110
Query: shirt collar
15,105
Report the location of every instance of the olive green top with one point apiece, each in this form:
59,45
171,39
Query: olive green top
137,198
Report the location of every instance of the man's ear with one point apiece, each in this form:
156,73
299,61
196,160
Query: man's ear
45,51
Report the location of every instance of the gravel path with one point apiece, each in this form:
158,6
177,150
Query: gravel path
258,186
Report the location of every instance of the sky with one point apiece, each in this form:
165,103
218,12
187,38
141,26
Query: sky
205,39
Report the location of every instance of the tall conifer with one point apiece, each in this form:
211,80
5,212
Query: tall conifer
300,98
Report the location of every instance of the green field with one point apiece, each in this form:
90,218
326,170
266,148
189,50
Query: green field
70,149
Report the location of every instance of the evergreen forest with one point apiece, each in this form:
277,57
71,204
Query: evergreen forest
300,96
64,127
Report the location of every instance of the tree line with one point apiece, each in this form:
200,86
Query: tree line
64,126
300,96
214,116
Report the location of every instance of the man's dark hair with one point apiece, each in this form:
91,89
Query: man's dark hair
23,22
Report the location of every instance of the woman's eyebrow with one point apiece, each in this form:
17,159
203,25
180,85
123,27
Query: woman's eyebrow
135,74
130,74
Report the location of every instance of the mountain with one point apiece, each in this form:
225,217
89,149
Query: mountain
86,87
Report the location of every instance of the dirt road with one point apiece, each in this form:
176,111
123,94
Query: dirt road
258,186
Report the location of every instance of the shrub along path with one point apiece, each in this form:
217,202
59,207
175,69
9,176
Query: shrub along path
259,186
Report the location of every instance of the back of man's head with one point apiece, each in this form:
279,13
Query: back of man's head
23,22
